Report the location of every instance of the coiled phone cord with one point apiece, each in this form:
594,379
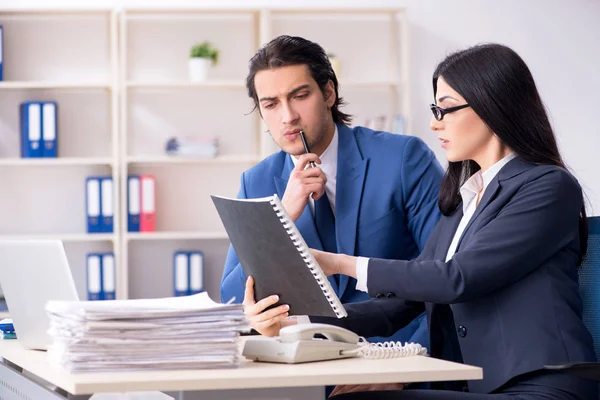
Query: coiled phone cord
386,349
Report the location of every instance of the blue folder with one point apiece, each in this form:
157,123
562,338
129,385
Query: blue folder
188,272
49,129
133,203
1,53
196,274
108,276
94,276
31,129
93,201
107,204
100,273
181,273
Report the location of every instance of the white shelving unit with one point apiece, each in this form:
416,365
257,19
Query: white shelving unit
70,57
158,101
121,102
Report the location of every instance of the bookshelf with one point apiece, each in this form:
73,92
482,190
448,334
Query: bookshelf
119,104
47,57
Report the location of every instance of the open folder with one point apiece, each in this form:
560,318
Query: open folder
271,249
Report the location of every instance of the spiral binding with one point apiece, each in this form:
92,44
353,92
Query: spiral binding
302,248
386,350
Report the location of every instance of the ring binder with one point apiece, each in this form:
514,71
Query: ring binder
304,251
272,250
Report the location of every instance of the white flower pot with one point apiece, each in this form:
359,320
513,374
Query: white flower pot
336,64
198,68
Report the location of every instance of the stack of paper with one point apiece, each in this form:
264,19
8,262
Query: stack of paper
172,333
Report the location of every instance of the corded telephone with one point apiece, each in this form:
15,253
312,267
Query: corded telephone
297,344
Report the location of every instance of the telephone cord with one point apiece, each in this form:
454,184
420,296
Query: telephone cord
386,349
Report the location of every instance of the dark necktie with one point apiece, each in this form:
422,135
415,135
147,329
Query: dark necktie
325,221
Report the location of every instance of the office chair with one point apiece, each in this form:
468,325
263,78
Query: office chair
589,287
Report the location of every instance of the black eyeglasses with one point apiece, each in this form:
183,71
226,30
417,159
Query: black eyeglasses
439,112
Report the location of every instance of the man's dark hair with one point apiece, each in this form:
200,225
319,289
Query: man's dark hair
293,50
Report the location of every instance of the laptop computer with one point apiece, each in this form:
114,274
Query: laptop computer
33,272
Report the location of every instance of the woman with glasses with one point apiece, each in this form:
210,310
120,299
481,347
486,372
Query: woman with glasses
498,276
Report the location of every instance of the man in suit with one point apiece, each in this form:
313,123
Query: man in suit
373,193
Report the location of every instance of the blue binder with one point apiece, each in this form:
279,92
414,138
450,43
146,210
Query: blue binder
94,276
101,271
106,204
108,276
93,204
49,129
188,272
181,275
196,274
1,53
133,203
31,129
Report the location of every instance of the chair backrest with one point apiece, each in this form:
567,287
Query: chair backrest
589,283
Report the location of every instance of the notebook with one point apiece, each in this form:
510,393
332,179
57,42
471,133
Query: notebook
271,249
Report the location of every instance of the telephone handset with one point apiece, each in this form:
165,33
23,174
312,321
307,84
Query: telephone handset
294,333
297,343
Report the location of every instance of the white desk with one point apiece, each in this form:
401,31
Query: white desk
249,375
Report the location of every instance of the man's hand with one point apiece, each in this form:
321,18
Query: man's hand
303,181
267,323
341,389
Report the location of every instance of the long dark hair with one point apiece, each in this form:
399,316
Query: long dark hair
293,50
498,85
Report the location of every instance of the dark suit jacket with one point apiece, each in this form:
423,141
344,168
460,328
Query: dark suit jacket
508,301
386,206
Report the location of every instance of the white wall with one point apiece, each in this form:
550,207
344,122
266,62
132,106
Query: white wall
557,38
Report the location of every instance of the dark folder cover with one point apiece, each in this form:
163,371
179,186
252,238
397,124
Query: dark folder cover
271,249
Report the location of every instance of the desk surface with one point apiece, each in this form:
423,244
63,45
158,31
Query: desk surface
250,375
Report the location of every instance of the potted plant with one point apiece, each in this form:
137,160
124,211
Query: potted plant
202,57
336,65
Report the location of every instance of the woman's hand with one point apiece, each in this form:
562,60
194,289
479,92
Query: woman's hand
332,263
267,323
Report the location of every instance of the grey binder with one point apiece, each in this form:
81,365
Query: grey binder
271,249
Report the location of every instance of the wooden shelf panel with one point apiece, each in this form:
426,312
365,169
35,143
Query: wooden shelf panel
50,162
19,85
162,160
175,235
67,237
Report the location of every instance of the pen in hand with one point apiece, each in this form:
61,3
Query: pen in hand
306,149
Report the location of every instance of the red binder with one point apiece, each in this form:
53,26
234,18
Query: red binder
148,208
